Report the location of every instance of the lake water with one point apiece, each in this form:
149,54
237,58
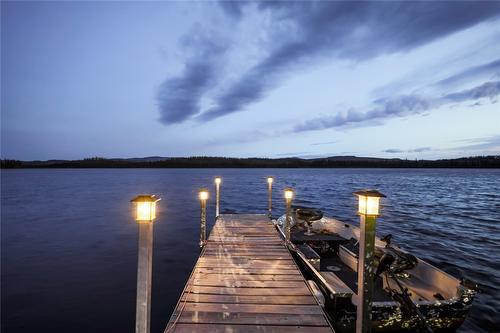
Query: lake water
69,241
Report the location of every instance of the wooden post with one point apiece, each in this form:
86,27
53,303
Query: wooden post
145,215
270,198
288,222
365,273
144,273
217,199
203,225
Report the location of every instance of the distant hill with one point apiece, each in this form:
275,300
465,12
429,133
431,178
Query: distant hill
254,162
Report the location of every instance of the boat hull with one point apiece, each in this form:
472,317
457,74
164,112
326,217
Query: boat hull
442,315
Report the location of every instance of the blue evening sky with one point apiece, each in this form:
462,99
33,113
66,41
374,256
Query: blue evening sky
266,79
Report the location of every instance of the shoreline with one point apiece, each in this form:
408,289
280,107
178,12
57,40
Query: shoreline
477,162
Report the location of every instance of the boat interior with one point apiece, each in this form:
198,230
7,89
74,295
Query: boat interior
331,248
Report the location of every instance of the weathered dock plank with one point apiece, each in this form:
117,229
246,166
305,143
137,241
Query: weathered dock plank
185,328
246,281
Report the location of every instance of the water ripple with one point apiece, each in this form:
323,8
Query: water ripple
69,242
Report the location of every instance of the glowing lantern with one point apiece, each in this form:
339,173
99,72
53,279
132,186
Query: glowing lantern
368,202
203,193
145,207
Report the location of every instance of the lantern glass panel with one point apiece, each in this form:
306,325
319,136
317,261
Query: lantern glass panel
288,194
203,195
368,205
146,211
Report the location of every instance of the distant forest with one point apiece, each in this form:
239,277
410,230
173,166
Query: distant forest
225,162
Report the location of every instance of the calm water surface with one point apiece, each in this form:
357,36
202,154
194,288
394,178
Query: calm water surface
69,242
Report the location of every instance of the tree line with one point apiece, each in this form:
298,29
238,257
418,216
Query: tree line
227,162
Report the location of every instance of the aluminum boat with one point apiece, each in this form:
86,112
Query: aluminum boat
409,294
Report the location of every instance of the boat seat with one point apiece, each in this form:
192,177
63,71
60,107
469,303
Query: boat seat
312,257
336,283
348,257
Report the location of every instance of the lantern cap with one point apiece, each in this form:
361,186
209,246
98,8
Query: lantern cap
370,193
146,198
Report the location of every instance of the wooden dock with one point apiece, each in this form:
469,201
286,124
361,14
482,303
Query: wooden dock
245,280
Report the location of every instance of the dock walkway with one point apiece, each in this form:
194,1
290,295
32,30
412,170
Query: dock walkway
245,280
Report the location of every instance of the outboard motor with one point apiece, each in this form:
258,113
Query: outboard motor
393,260
402,261
384,264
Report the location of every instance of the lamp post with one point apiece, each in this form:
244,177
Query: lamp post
368,210
144,215
288,199
203,194
218,180
270,196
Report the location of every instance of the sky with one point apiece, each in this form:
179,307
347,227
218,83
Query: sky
416,80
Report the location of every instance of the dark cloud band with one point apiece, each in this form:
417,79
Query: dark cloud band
318,31
398,107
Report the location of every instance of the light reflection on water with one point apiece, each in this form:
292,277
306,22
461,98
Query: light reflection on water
68,239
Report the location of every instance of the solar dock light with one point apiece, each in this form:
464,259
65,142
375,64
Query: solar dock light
270,196
203,194
145,213
288,199
218,180
368,210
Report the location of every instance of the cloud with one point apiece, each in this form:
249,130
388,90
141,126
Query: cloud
487,89
490,144
301,34
491,69
399,106
352,30
179,97
399,151
323,143
393,151
479,146
294,154
233,8
390,107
